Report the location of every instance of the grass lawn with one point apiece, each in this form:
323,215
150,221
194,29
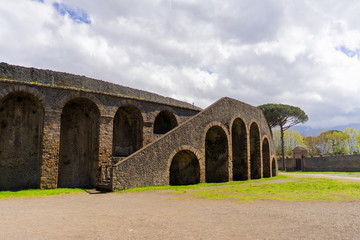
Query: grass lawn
342,173
284,188
38,192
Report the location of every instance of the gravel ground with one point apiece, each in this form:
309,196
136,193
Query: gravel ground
165,215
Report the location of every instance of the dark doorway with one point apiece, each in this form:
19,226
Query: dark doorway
21,129
216,155
273,166
128,131
164,122
239,148
298,164
255,158
266,158
184,169
79,144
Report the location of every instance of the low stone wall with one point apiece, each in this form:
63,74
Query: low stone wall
344,163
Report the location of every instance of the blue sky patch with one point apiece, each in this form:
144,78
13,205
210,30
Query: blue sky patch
76,14
42,1
349,52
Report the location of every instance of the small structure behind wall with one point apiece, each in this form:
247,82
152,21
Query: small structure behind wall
299,153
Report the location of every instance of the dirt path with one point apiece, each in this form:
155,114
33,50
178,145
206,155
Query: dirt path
164,215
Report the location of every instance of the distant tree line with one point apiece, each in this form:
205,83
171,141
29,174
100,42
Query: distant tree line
330,142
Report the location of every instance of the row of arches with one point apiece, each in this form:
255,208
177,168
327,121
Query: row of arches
21,133
185,167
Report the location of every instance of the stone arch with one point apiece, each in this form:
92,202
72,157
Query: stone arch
128,131
79,144
78,94
255,156
21,131
216,155
239,150
164,122
26,89
266,158
184,169
273,167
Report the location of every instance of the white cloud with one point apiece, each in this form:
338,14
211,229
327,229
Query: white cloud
303,53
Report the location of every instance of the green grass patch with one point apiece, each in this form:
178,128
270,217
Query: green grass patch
38,192
342,173
301,189
281,187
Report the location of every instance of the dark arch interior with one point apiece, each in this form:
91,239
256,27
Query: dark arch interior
79,144
164,122
266,158
255,158
216,155
239,148
184,169
128,131
21,119
273,167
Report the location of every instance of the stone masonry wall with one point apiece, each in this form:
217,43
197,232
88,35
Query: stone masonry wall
342,163
53,99
150,165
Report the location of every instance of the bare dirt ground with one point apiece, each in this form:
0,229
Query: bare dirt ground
165,215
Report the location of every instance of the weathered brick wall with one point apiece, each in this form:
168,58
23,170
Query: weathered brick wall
54,98
150,166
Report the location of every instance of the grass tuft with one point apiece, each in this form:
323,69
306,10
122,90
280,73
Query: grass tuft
38,192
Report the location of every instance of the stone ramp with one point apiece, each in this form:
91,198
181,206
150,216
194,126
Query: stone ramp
150,166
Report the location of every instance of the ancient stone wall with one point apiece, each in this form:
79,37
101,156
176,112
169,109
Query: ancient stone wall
54,136
208,137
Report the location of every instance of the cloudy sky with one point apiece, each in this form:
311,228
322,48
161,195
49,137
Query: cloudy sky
297,52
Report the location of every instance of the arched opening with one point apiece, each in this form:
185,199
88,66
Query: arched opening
128,131
164,122
273,166
266,158
216,155
21,129
79,144
255,157
184,169
239,148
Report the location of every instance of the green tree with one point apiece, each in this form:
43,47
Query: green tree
334,142
292,139
312,142
353,142
284,116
